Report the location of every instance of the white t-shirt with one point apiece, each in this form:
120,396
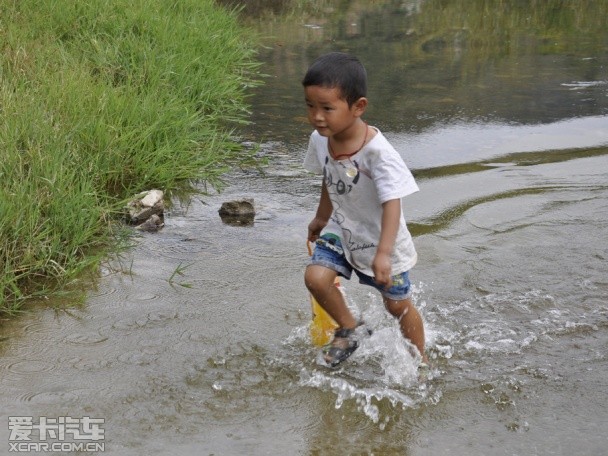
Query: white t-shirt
357,187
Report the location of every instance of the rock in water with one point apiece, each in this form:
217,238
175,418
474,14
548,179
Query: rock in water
151,198
154,223
144,205
238,212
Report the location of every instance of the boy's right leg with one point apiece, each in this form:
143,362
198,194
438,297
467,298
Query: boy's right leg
320,282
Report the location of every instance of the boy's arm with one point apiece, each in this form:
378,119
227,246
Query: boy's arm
324,211
381,265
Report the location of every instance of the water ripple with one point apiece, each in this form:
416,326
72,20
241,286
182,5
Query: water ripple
85,338
30,366
51,397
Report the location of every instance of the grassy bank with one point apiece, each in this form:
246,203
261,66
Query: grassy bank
100,100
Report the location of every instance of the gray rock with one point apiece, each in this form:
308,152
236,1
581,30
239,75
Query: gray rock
238,212
144,205
154,223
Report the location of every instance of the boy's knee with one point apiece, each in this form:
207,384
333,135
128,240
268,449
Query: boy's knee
397,308
311,278
316,279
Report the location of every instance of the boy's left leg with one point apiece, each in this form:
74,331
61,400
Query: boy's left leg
410,322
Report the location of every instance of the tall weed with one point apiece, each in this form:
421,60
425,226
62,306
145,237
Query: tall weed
100,100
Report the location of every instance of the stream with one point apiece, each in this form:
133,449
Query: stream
196,342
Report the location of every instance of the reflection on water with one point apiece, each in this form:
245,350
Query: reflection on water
481,143
196,342
435,62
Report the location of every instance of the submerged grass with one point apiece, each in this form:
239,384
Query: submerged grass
100,100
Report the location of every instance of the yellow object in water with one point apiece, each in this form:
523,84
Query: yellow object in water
322,326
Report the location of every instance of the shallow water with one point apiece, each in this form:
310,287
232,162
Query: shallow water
196,341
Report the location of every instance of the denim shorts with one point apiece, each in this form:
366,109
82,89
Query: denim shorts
330,254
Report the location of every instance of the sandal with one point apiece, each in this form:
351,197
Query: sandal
424,372
341,347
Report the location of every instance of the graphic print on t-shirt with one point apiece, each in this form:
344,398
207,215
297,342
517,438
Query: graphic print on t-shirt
336,185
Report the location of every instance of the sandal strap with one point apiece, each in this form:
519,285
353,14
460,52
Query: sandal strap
344,333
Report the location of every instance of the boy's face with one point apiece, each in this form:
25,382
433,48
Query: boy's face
328,112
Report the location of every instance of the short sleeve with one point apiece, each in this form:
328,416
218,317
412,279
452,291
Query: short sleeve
312,160
391,175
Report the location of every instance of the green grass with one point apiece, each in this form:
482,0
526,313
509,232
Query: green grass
100,100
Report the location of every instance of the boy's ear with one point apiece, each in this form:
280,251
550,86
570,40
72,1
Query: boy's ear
359,106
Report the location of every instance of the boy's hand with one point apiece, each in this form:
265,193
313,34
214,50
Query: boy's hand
314,228
381,266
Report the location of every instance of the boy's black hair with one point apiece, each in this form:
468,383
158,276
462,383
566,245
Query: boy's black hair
339,70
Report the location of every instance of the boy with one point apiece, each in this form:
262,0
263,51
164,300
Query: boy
358,224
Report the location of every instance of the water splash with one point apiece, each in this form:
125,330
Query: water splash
381,377
367,399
